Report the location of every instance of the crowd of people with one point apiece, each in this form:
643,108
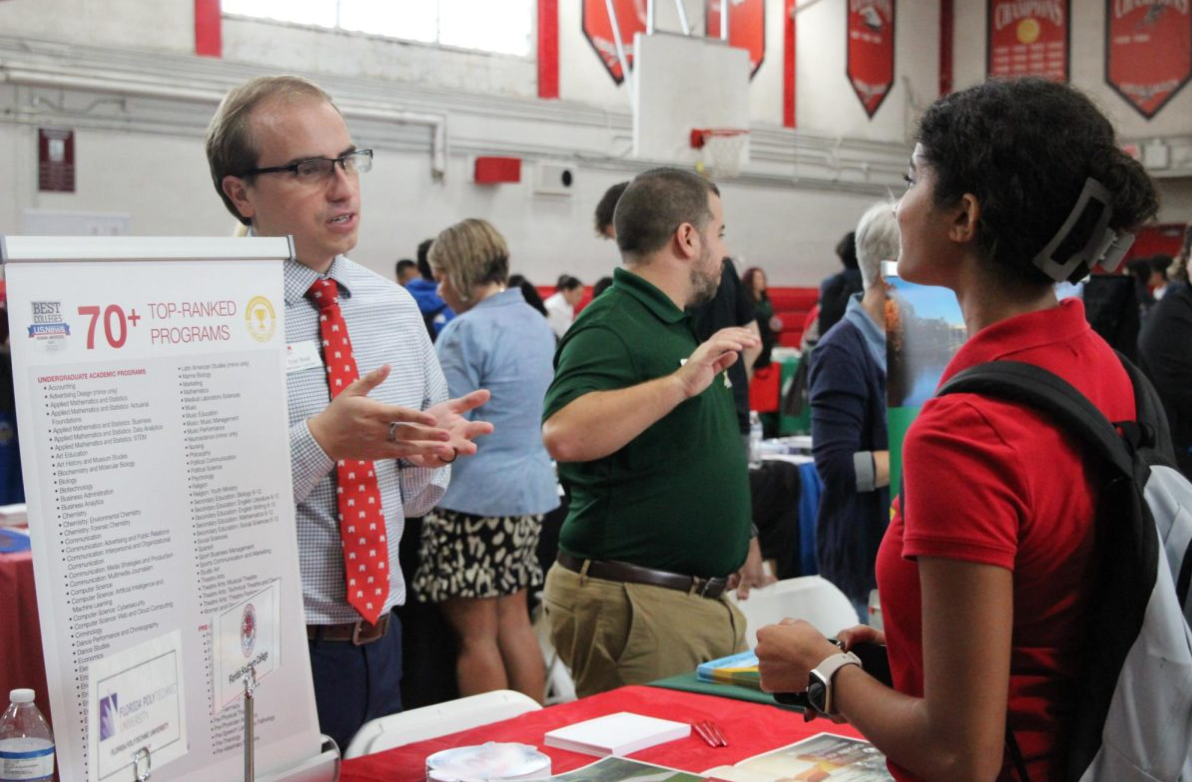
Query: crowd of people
449,400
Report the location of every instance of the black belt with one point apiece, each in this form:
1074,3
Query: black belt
611,570
358,633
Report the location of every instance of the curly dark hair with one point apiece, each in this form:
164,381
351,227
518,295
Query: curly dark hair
1024,148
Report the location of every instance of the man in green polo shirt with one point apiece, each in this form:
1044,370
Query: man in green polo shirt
640,418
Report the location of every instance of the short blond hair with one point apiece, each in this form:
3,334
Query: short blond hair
469,254
231,150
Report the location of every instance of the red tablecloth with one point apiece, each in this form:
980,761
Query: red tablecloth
750,728
21,662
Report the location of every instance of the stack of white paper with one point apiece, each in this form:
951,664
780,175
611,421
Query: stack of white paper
616,734
13,515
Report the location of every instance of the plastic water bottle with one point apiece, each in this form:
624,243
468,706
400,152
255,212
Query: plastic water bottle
755,439
26,741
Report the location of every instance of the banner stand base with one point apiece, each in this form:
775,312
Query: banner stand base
323,767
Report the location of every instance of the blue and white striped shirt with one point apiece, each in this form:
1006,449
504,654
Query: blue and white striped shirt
385,328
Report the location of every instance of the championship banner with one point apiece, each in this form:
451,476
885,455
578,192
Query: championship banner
1028,38
598,29
1148,56
870,51
746,27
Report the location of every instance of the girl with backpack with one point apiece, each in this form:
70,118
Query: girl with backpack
987,570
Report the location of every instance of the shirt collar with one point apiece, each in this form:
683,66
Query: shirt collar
1000,341
875,337
650,296
299,277
504,298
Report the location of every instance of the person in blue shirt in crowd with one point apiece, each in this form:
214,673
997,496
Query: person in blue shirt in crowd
848,421
435,312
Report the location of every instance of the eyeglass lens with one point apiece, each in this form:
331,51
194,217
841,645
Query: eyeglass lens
358,162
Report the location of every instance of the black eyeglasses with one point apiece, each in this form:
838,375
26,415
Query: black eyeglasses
318,169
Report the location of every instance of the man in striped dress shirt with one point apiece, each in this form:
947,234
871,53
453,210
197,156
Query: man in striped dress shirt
283,162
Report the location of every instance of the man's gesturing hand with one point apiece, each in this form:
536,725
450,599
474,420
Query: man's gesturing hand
356,427
713,357
449,417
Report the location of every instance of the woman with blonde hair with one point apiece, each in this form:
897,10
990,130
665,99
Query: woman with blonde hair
478,546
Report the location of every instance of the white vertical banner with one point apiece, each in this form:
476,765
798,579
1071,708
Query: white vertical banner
151,400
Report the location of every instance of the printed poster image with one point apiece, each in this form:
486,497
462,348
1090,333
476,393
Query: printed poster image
138,703
1148,57
924,329
1028,38
248,643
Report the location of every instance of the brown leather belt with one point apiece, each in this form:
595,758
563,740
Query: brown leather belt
358,633
611,570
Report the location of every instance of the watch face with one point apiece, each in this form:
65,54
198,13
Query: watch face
817,694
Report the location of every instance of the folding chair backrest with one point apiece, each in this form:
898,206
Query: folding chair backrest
440,719
811,598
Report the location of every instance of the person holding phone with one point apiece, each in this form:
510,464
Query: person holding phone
987,567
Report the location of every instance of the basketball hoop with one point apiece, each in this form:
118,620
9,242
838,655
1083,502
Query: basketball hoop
721,149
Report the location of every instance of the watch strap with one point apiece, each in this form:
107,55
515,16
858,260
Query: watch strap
825,672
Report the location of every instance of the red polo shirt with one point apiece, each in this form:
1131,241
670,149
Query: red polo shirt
996,483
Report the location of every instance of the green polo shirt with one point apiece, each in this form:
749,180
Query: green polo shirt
677,497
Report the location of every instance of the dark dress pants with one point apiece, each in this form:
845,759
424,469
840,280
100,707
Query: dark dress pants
355,684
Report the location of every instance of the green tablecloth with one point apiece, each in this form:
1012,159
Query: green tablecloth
689,682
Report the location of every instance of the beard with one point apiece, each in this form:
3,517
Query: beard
705,281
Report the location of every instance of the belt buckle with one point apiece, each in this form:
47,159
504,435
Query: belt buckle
698,586
378,631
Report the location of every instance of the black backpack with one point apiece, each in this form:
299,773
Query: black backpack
1133,717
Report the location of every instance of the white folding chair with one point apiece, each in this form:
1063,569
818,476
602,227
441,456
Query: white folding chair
811,598
440,719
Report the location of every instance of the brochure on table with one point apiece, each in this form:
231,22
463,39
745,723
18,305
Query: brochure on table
159,499
825,757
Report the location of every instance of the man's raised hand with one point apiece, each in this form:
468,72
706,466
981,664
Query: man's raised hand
713,357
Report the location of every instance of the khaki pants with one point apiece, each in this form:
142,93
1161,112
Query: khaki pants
611,634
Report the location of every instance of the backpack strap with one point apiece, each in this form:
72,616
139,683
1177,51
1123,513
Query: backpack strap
1045,391
1016,755
1152,418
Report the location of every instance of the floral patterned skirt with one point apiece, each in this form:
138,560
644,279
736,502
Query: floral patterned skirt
476,556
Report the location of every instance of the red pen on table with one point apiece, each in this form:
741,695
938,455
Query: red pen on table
711,733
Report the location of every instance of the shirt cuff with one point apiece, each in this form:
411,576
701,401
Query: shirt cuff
866,471
309,464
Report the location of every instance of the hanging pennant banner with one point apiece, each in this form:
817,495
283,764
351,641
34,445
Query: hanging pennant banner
1028,38
870,66
598,29
746,27
1148,56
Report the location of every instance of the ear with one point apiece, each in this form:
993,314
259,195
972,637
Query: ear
687,241
965,217
236,189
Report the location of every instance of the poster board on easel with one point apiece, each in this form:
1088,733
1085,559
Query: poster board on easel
150,388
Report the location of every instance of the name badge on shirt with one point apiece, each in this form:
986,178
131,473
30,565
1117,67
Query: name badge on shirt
727,383
302,355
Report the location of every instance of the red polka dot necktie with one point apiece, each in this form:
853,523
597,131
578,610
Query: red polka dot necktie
361,518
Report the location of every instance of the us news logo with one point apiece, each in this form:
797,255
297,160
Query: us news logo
48,322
